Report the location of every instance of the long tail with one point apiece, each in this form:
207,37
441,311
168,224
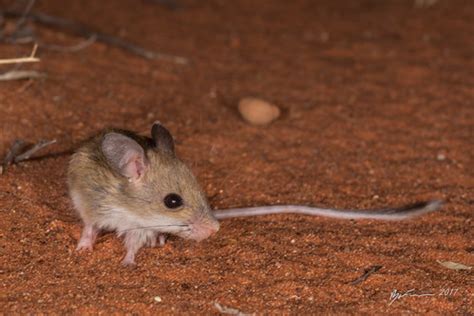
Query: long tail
389,214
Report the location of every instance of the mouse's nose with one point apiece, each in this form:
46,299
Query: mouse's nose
204,228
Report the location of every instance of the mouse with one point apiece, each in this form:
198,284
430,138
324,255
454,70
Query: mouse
136,186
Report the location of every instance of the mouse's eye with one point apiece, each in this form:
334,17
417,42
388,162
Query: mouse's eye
173,200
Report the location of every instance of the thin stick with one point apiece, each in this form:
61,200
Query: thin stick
12,153
21,74
20,60
33,52
22,34
229,310
366,274
38,146
83,31
24,87
29,59
22,19
74,48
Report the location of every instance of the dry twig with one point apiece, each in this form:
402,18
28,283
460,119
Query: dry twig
22,33
14,155
74,48
228,310
29,59
36,147
22,20
366,274
83,31
21,74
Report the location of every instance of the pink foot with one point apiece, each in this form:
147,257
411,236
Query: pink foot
129,260
162,239
134,240
88,237
151,242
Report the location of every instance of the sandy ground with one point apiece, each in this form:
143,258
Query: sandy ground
377,100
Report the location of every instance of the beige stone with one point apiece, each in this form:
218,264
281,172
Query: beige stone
257,111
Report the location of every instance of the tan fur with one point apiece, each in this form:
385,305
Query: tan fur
105,199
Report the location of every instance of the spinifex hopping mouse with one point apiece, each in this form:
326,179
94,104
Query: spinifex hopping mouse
135,185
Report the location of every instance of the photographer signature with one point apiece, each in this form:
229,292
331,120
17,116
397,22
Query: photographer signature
395,295
445,291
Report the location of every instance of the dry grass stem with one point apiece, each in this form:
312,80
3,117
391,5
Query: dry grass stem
366,274
21,60
21,74
36,147
14,155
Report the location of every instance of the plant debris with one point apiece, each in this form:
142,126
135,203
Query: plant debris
21,74
21,60
84,31
366,274
453,265
16,153
229,310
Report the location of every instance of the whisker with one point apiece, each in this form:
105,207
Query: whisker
154,226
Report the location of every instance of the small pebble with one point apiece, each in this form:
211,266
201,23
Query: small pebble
441,157
257,111
157,299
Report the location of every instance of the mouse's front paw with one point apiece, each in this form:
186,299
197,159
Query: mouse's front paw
84,245
162,240
88,237
129,261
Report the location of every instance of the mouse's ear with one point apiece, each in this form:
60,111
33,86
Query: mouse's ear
162,137
124,154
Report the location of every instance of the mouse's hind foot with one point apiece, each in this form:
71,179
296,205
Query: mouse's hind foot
88,237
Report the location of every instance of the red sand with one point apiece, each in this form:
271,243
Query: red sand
374,93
